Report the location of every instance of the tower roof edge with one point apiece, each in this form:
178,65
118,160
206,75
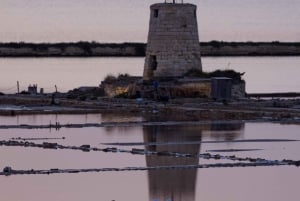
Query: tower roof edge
168,5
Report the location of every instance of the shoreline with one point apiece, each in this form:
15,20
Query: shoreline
176,110
94,49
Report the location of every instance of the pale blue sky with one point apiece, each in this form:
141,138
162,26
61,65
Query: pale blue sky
127,20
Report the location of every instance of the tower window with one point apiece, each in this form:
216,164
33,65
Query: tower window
153,62
195,13
155,12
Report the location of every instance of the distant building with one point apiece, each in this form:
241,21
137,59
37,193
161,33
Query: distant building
32,89
173,65
173,44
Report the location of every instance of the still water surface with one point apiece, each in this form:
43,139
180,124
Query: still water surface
262,74
213,184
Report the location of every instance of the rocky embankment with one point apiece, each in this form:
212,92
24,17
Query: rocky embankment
90,49
235,161
181,109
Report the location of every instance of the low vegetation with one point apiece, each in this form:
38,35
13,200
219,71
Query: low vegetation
112,78
235,76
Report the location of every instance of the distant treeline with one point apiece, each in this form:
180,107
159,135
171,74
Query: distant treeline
89,49
224,43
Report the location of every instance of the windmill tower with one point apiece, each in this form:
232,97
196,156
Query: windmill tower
173,43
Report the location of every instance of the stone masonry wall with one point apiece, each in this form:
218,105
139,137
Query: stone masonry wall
173,43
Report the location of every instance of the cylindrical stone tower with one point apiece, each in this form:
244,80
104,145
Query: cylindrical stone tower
173,43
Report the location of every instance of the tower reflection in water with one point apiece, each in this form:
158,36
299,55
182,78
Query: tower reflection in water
179,184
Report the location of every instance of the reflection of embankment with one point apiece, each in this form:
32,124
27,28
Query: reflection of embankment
178,184
226,131
119,118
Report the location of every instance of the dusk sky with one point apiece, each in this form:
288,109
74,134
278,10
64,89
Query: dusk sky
127,20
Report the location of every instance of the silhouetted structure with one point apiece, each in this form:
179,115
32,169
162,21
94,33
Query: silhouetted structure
173,44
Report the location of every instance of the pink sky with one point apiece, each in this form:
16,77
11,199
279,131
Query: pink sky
127,20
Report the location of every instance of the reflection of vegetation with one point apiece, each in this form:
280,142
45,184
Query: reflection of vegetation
212,48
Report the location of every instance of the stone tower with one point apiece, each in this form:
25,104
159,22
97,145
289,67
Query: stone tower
173,43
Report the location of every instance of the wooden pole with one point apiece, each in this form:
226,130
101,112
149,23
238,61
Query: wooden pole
18,87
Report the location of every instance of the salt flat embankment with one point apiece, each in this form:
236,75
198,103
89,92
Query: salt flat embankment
91,49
